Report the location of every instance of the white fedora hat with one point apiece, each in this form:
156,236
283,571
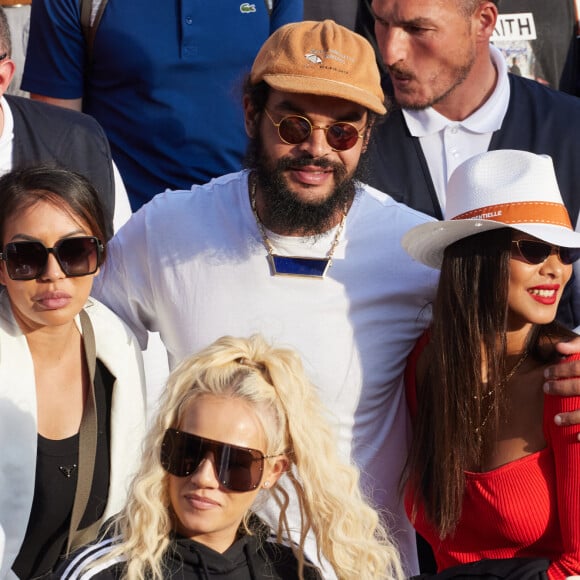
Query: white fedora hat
493,190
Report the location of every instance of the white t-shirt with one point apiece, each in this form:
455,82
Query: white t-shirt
192,265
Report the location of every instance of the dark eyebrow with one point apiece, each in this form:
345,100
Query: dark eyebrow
288,108
27,238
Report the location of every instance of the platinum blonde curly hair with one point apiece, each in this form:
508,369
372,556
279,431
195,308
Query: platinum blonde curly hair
348,532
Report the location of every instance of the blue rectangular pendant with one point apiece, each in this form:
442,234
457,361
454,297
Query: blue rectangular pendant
297,266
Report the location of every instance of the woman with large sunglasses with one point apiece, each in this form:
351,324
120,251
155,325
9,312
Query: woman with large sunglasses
239,423
71,395
491,477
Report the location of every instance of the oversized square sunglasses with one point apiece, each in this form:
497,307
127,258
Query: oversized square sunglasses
536,252
295,129
237,468
78,256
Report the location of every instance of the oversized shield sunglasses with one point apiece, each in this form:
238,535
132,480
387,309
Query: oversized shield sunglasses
237,468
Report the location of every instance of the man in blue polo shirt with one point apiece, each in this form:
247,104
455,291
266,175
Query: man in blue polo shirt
162,80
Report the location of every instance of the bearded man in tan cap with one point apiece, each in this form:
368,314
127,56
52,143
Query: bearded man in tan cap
297,248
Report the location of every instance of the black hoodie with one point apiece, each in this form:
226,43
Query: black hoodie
253,557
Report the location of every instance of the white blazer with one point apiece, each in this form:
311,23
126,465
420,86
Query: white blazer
117,349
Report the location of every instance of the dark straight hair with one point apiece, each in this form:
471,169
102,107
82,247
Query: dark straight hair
458,411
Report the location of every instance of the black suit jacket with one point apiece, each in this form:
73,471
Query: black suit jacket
46,134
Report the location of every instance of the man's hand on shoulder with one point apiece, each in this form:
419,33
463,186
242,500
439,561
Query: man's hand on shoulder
564,379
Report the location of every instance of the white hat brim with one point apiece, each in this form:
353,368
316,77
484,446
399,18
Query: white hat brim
426,243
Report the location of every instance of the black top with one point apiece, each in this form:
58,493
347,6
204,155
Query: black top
55,486
51,135
252,557
553,50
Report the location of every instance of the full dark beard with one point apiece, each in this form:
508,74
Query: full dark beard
284,211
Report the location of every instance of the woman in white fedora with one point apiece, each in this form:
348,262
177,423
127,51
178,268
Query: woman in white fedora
490,476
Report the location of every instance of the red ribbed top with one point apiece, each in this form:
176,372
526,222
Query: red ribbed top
527,508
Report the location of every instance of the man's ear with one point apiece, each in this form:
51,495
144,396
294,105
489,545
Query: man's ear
7,69
251,118
485,20
367,136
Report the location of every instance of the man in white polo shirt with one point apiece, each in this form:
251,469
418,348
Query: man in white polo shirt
456,99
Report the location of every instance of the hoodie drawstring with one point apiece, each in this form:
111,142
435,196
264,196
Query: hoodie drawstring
251,568
202,563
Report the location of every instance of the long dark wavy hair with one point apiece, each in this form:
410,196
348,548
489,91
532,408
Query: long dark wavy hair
468,331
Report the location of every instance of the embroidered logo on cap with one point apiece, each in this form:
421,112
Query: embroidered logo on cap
313,58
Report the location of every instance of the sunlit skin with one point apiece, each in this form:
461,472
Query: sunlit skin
53,300
45,310
534,293
436,55
310,183
203,509
414,38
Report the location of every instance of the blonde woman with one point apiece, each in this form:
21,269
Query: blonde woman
236,419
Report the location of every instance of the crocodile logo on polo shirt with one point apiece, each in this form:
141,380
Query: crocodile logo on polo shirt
247,8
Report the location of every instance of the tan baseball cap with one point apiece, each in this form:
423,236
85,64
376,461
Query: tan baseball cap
321,58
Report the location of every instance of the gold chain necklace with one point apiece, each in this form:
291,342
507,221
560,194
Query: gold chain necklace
299,266
515,368
504,381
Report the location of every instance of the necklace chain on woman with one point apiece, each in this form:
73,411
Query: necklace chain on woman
504,381
300,266
515,368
